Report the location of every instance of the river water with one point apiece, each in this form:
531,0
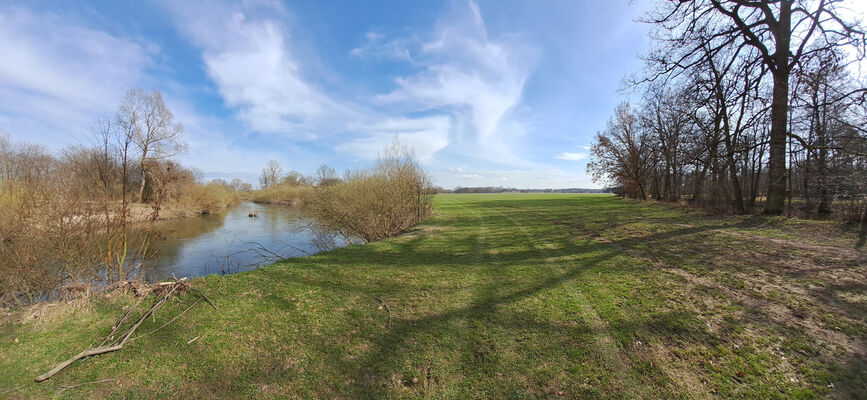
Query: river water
230,241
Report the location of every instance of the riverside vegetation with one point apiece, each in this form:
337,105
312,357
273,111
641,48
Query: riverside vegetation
496,296
81,218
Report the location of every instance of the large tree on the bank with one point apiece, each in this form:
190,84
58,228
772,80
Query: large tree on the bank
689,31
149,124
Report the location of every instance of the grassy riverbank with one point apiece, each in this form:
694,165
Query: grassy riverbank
497,296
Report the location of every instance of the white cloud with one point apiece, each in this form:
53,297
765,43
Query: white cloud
425,135
472,76
466,84
250,60
376,45
57,74
571,156
256,71
471,176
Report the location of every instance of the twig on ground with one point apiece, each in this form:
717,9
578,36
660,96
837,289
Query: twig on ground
169,321
12,389
193,339
388,310
121,321
62,388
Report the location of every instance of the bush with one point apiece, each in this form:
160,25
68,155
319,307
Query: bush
288,194
385,200
205,198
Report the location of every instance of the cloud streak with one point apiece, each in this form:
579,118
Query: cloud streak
473,77
58,74
571,156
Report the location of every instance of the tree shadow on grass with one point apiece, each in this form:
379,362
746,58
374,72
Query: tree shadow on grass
476,333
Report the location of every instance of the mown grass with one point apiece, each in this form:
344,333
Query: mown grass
498,296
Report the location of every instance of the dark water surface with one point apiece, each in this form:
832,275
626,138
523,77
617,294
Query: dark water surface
230,241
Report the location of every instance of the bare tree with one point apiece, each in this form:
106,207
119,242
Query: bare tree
623,154
239,186
386,199
326,176
271,174
150,126
780,32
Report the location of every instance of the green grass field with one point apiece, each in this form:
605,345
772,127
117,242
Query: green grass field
496,296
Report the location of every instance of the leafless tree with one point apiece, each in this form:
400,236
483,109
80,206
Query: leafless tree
326,176
623,154
147,122
780,32
271,174
383,200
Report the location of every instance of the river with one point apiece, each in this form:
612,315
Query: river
230,241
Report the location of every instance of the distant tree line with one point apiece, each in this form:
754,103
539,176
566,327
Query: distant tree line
499,189
746,105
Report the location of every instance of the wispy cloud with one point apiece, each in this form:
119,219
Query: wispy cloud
425,135
475,78
256,71
58,74
251,61
379,45
571,156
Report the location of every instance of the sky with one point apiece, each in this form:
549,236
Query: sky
487,93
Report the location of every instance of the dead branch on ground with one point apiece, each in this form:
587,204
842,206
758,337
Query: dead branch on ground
163,291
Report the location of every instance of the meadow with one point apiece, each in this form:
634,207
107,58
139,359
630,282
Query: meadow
495,296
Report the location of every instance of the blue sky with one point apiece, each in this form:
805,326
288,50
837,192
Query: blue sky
500,93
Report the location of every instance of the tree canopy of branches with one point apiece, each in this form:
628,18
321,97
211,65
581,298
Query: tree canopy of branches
773,37
271,174
150,126
745,104
623,153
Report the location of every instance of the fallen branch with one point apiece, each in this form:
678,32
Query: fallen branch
164,290
85,353
388,310
170,321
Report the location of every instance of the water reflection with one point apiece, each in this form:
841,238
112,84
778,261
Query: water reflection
232,241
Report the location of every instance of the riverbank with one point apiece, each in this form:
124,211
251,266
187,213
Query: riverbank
289,195
144,212
497,296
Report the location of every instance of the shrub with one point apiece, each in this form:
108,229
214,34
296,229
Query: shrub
205,198
288,194
381,201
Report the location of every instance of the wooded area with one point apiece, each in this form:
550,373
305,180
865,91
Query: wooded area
745,105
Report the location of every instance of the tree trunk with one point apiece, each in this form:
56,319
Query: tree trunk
777,159
862,232
822,161
699,182
144,175
738,201
779,112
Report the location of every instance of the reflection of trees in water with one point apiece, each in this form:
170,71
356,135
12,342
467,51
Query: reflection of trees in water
231,241
168,234
326,240
255,254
